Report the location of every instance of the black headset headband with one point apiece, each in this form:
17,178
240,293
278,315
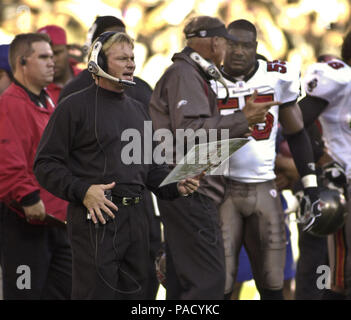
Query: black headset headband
103,37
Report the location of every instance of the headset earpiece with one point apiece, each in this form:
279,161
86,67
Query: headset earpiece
98,61
102,61
211,71
101,57
23,61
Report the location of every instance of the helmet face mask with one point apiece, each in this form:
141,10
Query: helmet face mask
333,213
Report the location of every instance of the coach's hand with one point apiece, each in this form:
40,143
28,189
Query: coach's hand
95,201
189,185
255,112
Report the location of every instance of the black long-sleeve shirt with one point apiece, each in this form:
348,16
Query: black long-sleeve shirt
82,145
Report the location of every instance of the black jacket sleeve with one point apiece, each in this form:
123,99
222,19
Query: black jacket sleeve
311,108
155,176
50,165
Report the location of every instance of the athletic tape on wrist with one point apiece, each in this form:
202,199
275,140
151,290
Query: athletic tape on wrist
309,181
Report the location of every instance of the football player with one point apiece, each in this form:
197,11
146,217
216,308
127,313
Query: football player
251,213
328,99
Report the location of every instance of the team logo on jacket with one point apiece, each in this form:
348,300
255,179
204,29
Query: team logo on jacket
182,103
273,193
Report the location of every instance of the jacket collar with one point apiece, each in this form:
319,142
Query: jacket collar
185,55
40,100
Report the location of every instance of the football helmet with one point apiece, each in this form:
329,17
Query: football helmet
332,212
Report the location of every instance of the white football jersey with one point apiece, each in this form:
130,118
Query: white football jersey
331,81
276,80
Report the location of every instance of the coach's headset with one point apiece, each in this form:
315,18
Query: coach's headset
98,61
211,71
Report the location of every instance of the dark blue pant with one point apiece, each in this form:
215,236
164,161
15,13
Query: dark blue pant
313,253
42,250
155,244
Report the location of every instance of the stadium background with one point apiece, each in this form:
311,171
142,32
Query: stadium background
294,30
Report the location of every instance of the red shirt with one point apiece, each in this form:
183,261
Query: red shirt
22,123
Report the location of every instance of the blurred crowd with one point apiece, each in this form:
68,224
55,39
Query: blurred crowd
294,30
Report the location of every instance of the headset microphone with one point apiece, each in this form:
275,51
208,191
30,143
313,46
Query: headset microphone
211,70
94,67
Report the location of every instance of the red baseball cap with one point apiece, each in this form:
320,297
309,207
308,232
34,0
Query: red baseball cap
56,34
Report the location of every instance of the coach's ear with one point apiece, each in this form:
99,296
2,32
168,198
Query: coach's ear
215,45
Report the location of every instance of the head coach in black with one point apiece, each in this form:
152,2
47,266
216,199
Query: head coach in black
80,160
183,99
142,93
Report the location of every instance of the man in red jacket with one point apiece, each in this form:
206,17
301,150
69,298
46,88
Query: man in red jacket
5,69
64,69
36,256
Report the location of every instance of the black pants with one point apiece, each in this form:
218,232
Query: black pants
313,253
155,244
195,266
111,261
36,260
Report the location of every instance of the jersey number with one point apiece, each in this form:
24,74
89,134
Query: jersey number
277,65
261,131
335,65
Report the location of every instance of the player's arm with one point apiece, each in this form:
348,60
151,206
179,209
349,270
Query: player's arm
300,146
311,107
299,142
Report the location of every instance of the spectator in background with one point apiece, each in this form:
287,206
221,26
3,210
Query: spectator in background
27,238
5,69
65,69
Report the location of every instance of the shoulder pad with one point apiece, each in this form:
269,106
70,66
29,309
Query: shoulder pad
325,79
287,76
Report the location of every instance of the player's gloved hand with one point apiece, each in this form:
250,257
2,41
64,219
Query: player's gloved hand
335,175
310,208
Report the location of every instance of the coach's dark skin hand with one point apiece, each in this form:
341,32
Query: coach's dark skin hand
255,112
95,201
